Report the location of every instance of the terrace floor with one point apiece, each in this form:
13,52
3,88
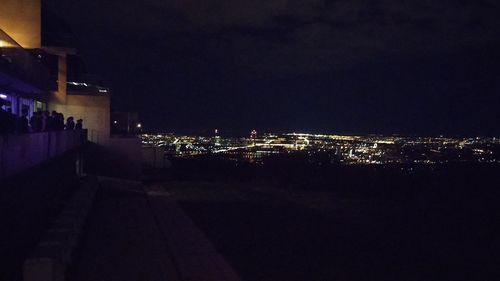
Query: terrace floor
132,235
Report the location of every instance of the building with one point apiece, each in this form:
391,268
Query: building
35,70
24,80
40,70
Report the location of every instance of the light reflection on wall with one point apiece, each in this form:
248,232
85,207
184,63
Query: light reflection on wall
5,44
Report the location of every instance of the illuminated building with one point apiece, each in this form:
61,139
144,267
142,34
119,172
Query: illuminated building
37,69
21,20
24,81
253,134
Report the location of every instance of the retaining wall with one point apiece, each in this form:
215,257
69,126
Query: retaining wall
21,152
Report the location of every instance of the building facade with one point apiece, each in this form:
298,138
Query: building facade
34,72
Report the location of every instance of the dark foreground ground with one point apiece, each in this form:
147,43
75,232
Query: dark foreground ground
371,224
28,204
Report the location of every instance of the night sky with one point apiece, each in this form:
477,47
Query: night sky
348,66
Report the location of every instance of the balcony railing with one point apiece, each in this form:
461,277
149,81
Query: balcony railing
21,64
20,152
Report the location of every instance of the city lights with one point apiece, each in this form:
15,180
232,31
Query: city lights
348,150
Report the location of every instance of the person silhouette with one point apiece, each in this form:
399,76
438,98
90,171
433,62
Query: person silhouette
70,124
79,124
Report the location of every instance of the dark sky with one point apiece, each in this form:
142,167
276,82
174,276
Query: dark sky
346,66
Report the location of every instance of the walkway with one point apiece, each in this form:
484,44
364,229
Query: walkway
132,236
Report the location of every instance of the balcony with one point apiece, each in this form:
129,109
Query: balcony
20,71
20,152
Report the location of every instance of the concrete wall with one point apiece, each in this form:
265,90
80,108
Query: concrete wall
129,155
21,20
18,153
154,157
121,158
94,110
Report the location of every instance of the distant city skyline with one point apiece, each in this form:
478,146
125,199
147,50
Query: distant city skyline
357,150
248,132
